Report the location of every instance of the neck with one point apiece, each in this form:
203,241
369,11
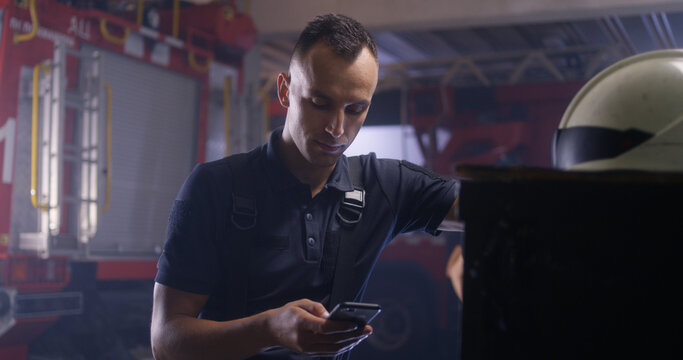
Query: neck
304,171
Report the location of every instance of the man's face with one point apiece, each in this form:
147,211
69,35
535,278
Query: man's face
327,99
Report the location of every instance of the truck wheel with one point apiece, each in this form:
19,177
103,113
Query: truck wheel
407,327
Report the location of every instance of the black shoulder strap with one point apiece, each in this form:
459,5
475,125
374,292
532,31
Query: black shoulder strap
350,212
356,172
243,219
243,214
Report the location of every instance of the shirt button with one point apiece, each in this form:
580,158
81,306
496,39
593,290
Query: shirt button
309,216
311,241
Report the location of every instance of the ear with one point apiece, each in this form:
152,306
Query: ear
283,89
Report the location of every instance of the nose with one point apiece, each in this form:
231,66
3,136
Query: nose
336,126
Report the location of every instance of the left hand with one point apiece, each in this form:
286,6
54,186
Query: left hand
455,270
302,326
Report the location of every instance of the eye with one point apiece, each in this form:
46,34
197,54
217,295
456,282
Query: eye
356,108
319,103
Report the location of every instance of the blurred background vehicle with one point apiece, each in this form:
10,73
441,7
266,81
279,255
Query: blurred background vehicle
105,107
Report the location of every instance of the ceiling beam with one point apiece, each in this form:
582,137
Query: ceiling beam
278,17
394,45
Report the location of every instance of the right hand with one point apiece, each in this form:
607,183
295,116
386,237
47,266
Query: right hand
302,326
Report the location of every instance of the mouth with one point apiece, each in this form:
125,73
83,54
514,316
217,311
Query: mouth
330,147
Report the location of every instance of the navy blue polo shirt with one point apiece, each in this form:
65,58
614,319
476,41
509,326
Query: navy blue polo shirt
287,259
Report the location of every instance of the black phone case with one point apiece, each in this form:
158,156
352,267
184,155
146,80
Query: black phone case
360,313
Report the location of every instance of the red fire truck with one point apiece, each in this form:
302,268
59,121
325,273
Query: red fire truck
102,116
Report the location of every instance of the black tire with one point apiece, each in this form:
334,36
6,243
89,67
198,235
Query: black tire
407,327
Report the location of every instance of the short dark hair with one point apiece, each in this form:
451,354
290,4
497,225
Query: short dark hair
346,36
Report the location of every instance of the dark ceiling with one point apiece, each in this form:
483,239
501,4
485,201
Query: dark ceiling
539,52
487,55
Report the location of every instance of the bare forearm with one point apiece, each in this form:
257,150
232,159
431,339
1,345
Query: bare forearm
300,326
184,337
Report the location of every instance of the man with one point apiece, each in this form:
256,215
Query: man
291,229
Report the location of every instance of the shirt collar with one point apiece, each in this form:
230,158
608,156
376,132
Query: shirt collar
340,178
283,178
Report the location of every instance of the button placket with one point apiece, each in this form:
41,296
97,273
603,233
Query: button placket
312,230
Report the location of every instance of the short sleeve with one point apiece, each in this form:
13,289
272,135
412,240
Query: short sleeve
421,198
188,261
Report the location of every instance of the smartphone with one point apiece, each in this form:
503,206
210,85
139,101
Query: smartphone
360,313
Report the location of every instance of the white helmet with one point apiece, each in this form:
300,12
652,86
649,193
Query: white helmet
627,117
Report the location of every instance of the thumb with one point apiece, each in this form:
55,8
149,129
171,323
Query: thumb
314,308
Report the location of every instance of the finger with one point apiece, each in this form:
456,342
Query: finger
339,338
313,315
335,326
350,347
324,349
313,307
